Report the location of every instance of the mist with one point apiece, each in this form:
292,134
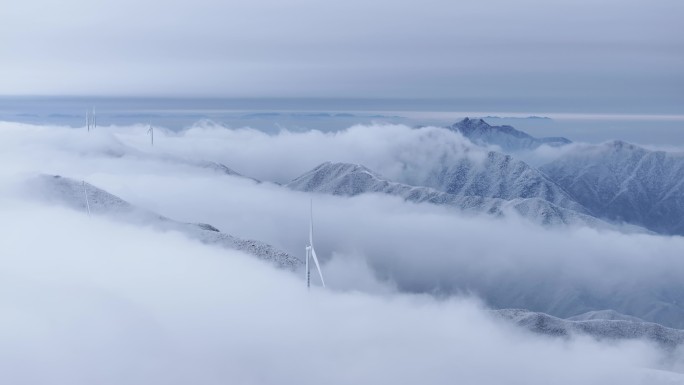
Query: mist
412,248
91,299
398,152
101,302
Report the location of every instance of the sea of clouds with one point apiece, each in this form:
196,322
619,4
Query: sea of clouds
88,300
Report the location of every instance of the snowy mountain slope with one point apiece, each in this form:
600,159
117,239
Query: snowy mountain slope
217,167
598,328
560,296
497,176
623,182
610,315
203,165
351,179
69,192
506,137
111,147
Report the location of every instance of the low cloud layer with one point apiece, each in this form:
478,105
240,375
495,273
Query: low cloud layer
98,302
397,151
127,304
417,248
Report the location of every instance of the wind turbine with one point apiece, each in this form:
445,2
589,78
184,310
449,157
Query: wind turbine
85,194
91,120
151,132
311,253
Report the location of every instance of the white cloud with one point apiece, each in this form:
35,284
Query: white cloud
98,302
397,151
421,248
89,301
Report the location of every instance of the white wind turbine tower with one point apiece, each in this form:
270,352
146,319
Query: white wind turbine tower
151,132
85,194
91,120
311,253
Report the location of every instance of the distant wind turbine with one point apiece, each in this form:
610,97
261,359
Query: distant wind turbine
85,194
311,253
151,132
91,119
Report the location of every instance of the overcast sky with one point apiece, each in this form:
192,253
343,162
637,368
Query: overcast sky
618,50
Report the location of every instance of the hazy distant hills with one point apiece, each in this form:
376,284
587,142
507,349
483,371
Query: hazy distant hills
506,137
626,183
72,193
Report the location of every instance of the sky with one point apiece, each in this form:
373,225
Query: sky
619,53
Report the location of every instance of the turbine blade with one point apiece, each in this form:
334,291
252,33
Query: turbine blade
311,224
318,267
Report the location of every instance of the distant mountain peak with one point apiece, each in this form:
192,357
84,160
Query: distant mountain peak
472,122
468,125
508,138
330,176
622,145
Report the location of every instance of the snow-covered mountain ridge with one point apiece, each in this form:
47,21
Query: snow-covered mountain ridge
72,193
498,176
627,183
351,179
506,137
611,329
